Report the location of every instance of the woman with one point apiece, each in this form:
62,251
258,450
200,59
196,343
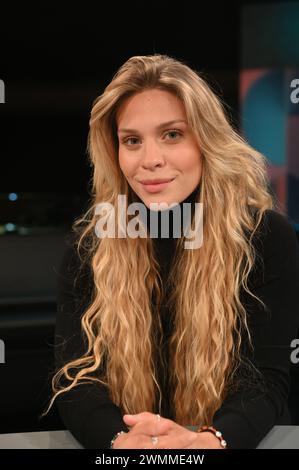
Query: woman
153,337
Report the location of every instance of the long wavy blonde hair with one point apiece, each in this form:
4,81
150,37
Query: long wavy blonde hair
122,323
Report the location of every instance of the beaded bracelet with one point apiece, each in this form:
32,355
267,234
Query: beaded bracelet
216,433
115,437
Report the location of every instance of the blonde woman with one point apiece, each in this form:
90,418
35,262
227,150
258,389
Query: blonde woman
153,337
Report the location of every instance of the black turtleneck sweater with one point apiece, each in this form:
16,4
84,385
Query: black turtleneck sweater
249,412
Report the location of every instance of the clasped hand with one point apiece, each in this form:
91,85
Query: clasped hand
151,431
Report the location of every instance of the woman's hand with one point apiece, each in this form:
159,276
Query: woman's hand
167,435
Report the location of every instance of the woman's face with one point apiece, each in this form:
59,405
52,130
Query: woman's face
155,143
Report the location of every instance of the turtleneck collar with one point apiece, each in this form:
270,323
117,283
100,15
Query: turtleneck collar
155,224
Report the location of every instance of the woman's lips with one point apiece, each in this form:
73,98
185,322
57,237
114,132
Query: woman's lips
155,188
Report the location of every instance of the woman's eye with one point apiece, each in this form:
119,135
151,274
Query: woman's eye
174,132
130,138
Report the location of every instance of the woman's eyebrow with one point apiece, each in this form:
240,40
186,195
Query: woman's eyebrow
160,126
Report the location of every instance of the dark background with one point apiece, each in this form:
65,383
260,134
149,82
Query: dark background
55,59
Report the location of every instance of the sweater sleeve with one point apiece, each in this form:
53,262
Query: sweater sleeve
87,410
249,413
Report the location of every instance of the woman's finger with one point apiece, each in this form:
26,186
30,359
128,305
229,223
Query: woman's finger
146,417
140,417
181,441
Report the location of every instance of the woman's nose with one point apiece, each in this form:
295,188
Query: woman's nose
152,155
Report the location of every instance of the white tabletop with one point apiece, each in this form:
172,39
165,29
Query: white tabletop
280,437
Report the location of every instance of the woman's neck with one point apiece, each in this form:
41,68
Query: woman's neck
172,222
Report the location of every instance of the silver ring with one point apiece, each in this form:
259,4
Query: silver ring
155,440
158,417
